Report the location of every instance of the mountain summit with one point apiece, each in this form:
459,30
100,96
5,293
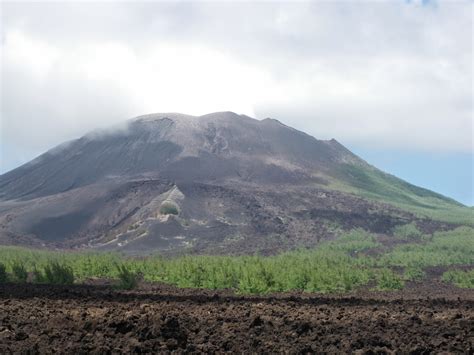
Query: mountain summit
216,147
216,183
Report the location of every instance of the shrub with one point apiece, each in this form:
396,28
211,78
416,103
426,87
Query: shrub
463,279
38,276
453,247
407,232
339,265
169,208
3,273
57,274
128,279
354,241
19,272
414,273
256,277
388,280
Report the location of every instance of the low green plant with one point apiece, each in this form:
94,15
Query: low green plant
257,277
128,279
3,273
57,274
455,247
340,265
463,279
414,273
19,272
353,242
169,208
38,276
388,280
407,232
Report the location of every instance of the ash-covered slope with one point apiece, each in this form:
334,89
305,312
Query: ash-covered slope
217,183
213,147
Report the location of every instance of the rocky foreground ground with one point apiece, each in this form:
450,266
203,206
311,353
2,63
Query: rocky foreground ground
95,318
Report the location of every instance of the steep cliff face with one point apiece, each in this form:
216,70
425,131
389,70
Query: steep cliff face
220,182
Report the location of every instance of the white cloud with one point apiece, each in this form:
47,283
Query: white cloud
392,74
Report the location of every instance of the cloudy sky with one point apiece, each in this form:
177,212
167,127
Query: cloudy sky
392,80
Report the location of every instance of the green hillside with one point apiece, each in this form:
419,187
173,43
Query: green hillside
369,182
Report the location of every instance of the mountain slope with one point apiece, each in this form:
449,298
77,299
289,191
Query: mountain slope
215,183
212,147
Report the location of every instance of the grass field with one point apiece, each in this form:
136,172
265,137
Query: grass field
335,266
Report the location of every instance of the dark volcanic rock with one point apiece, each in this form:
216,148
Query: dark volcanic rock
238,185
161,319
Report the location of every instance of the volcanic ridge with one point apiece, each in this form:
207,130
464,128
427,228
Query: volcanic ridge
221,183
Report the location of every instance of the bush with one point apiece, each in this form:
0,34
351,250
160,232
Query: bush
407,232
453,247
3,273
169,208
257,277
57,274
339,265
414,273
19,272
38,276
128,279
388,280
463,279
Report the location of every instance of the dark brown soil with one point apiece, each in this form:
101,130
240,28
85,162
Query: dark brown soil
160,318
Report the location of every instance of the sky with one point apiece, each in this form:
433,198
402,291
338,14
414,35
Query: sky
391,80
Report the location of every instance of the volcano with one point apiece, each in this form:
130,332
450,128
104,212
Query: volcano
221,183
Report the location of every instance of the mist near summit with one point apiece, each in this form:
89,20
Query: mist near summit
390,77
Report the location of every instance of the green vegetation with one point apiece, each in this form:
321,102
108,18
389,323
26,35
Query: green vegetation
169,208
19,272
374,184
414,273
407,232
341,265
445,248
464,279
128,279
388,280
57,274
